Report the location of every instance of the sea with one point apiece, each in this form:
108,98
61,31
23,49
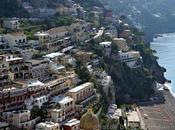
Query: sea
165,51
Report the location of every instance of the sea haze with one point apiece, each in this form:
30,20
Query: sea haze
165,48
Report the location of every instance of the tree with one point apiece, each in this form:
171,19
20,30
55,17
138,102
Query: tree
35,112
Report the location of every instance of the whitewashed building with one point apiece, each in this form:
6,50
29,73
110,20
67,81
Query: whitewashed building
66,103
47,126
16,39
132,58
107,48
57,115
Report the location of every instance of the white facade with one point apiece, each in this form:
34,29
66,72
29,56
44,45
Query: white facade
107,83
73,124
131,58
114,112
12,24
66,103
40,100
16,38
47,126
53,56
128,56
107,47
56,68
57,115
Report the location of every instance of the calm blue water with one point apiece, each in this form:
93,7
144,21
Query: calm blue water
165,47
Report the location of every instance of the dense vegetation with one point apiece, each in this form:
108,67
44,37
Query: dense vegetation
11,8
131,84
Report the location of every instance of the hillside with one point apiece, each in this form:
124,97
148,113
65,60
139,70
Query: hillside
152,16
11,8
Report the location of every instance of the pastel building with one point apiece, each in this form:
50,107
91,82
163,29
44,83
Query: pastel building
78,31
133,120
54,39
81,92
67,104
61,85
121,44
18,69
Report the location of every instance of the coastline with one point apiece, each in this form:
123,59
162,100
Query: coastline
162,62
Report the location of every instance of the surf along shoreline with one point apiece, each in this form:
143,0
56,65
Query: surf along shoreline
165,82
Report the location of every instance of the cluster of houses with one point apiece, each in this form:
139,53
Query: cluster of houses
29,83
132,116
43,81
36,73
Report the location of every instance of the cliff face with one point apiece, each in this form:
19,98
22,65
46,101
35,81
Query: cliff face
158,72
